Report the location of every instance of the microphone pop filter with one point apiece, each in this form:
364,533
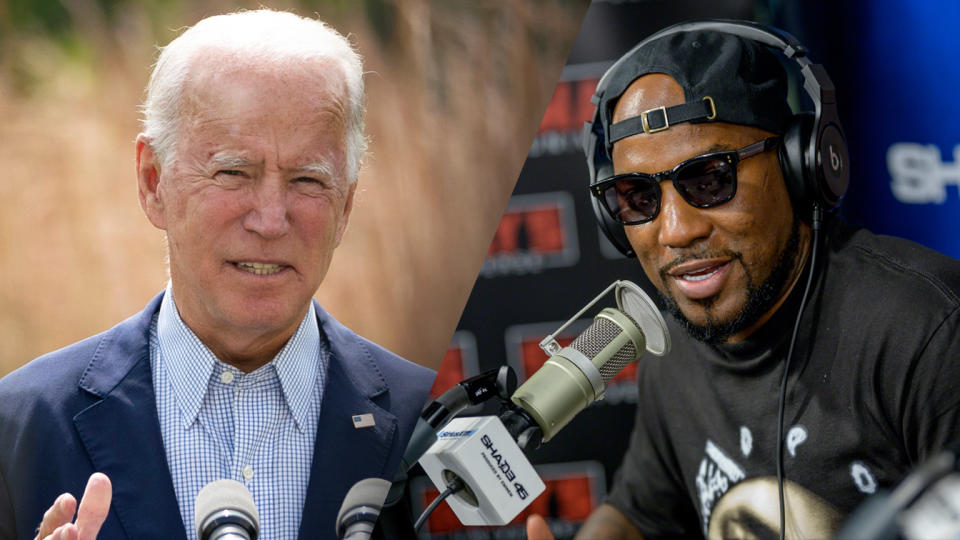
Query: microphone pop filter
637,305
575,376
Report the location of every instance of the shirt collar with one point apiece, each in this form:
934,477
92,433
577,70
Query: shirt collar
191,365
300,365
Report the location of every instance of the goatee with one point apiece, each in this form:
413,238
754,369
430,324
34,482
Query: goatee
760,298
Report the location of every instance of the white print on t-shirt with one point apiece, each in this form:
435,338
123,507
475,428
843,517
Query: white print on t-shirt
717,473
746,441
862,477
795,438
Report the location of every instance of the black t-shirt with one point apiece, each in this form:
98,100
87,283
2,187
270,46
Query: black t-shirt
873,391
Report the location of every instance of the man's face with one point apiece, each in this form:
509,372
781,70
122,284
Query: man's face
715,264
255,199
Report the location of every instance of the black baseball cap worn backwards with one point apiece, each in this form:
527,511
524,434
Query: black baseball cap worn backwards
730,72
725,78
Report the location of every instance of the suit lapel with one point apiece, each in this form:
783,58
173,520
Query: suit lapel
345,454
121,433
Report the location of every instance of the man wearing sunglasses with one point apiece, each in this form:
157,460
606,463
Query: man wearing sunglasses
696,133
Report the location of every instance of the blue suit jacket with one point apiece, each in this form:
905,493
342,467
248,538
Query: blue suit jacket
91,407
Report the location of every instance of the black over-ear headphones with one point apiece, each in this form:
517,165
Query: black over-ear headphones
813,153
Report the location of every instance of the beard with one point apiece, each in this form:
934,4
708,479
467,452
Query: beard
760,298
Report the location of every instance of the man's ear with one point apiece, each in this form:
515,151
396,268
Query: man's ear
347,207
148,182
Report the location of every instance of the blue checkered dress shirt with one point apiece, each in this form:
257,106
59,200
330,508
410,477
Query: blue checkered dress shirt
257,428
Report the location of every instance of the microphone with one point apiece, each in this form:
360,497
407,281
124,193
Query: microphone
480,457
483,452
360,509
436,414
926,504
473,391
575,376
224,510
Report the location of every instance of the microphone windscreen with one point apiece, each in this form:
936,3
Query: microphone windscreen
369,492
224,495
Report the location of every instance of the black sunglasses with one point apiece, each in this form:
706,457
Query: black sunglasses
702,181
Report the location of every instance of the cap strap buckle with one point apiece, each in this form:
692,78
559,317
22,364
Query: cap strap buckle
645,119
713,108
661,118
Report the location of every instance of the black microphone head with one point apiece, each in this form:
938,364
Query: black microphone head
362,504
225,502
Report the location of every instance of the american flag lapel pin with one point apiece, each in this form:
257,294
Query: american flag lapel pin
363,420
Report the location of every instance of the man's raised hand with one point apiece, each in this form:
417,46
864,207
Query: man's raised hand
58,523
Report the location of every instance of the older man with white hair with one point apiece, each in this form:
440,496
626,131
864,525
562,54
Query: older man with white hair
253,137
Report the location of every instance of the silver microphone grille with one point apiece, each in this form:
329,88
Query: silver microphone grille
597,336
225,497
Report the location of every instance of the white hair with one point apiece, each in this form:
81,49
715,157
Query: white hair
261,35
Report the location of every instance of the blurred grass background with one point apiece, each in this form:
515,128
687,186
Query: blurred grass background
455,92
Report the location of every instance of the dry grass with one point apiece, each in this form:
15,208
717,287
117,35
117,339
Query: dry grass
454,101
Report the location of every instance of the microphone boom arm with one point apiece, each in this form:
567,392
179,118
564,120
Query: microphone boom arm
549,344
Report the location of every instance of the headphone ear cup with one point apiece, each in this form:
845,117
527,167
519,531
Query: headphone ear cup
832,174
796,172
611,228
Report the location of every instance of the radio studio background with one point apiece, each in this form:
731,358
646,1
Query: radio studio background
891,63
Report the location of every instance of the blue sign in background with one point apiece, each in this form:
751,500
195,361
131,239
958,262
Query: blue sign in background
896,66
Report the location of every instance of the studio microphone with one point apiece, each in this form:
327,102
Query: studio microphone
926,504
360,509
224,510
485,453
577,375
